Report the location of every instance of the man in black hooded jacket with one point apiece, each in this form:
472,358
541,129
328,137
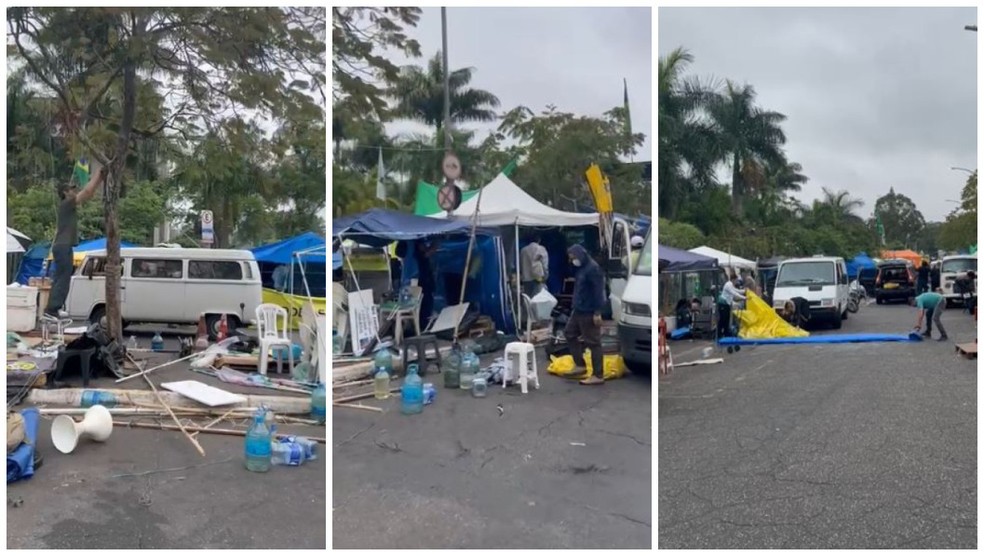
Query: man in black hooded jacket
584,328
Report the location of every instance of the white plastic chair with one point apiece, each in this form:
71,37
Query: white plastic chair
522,355
266,318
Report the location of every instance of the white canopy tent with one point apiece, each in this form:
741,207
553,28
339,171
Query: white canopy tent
724,259
13,244
503,203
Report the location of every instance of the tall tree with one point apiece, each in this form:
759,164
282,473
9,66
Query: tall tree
360,69
208,62
748,137
419,96
960,229
837,208
900,218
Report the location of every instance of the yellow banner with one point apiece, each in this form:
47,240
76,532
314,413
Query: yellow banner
601,189
293,304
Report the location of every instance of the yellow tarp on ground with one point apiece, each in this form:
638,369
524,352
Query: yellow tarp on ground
293,304
564,365
759,321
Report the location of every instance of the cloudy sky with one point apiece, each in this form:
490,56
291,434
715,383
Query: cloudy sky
574,58
875,98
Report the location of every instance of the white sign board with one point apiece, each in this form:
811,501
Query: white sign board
208,227
364,320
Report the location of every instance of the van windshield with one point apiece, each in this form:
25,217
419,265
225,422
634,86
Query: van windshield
959,265
645,265
806,274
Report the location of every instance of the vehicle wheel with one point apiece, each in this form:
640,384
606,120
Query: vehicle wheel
731,349
852,306
879,300
837,323
844,314
97,314
641,369
212,325
737,349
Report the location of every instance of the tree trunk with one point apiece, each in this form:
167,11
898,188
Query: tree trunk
111,198
737,187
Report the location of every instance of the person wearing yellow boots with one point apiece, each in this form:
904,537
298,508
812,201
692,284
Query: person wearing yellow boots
583,330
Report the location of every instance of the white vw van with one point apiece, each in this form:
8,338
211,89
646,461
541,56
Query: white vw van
635,318
168,285
822,281
954,267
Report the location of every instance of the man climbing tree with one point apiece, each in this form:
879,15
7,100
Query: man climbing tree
210,64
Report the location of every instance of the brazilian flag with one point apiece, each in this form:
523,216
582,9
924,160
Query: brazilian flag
81,171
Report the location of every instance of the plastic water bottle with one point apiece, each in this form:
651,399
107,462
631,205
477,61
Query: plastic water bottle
319,403
98,397
132,344
469,367
381,384
412,392
451,368
292,451
258,448
157,344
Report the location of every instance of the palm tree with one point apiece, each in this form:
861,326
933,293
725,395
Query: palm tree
746,134
419,96
686,164
837,208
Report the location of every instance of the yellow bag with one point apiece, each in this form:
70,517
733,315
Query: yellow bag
562,366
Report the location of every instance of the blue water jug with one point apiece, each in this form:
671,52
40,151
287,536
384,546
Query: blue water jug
319,403
98,397
412,392
258,438
157,344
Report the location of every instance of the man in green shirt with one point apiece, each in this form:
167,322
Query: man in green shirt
66,236
934,304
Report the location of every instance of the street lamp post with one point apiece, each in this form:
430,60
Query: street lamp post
971,172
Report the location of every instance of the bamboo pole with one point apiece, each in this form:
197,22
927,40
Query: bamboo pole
227,432
212,422
357,397
173,416
169,363
358,406
73,397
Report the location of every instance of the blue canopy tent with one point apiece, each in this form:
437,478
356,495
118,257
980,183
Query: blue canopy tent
33,263
96,245
306,254
484,288
861,261
684,275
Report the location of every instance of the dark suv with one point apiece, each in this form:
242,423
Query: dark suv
896,279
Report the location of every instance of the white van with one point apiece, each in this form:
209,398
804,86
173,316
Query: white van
170,285
822,281
635,319
954,267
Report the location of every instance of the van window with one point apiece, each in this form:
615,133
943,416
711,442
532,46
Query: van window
959,265
249,271
644,266
806,273
215,270
157,268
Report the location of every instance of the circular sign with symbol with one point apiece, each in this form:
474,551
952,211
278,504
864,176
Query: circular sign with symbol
449,196
206,217
451,166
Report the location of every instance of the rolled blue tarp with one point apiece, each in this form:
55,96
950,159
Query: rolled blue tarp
824,339
20,463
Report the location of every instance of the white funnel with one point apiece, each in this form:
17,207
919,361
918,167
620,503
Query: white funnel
66,432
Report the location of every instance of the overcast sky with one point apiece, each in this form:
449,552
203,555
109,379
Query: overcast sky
574,58
875,97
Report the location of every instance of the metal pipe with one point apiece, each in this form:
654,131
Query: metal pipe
447,80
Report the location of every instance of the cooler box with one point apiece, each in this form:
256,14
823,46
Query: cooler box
22,307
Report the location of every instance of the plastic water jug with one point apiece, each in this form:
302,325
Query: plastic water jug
412,392
98,397
157,344
469,368
319,403
451,368
258,449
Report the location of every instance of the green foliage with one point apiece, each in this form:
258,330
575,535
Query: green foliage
679,234
960,229
900,218
359,68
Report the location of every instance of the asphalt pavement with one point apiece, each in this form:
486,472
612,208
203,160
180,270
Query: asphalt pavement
822,446
566,466
145,488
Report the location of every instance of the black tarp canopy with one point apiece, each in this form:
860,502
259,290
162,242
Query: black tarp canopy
672,259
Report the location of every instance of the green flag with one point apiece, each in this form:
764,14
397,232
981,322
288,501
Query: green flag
511,167
628,115
81,171
880,229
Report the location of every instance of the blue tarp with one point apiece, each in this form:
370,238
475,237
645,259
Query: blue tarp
20,463
485,286
379,227
282,252
672,259
32,265
96,245
823,339
860,261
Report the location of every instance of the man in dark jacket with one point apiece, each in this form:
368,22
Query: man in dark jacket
584,328
922,278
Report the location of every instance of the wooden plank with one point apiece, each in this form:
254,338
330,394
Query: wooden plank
967,350
239,361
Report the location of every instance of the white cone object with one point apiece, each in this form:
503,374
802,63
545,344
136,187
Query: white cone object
66,432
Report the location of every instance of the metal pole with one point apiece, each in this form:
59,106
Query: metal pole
447,80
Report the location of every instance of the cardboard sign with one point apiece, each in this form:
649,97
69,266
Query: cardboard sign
363,319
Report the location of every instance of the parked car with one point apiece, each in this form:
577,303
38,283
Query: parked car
953,268
896,280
